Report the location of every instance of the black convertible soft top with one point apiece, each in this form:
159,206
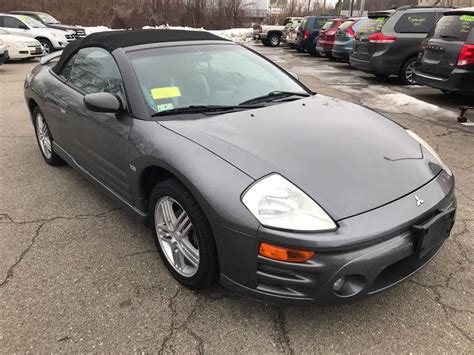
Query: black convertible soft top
111,40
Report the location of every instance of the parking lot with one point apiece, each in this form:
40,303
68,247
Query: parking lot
79,274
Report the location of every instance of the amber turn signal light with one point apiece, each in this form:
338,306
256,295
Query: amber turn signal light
284,254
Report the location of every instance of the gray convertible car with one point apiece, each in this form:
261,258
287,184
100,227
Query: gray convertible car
244,175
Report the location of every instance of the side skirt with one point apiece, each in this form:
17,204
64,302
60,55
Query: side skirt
72,162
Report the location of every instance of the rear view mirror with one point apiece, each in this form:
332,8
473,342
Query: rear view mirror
103,102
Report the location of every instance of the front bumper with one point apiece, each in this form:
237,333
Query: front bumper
460,80
26,52
373,251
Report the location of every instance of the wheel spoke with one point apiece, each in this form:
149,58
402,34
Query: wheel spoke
168,214
178,259
190,253
184,227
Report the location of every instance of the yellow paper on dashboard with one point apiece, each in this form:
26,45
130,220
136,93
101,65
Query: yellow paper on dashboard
165,93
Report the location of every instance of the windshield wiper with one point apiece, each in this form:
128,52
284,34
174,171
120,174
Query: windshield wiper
274,95
204,109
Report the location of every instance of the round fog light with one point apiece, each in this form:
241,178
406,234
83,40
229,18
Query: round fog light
338,284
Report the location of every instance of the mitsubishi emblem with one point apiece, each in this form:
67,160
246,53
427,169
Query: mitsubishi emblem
419,201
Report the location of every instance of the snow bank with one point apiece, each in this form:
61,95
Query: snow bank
90,30
234,34
401,103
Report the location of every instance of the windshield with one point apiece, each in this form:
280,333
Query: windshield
454,27
217,74
372,25
31,21
47,18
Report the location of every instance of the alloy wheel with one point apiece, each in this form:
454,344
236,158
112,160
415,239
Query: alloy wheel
42,132
176,236
274,41
46,47
409,72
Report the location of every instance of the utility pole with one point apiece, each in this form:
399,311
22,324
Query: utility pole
352,7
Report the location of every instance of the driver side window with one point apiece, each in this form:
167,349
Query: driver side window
94,70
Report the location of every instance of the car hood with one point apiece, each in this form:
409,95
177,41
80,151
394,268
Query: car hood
9,39
65,27
48,31
346,157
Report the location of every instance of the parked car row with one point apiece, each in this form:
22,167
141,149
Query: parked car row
28,34
426,45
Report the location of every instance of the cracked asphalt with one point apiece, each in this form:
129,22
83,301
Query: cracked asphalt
79,274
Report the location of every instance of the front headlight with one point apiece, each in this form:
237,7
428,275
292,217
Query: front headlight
429,149
277,203
20,45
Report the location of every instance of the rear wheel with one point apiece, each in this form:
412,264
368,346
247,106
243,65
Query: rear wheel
183,235
44,138
274,40
265,42
406,75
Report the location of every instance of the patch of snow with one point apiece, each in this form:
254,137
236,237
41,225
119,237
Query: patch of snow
401,103
95,29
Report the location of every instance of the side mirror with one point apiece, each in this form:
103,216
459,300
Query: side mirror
294,75
103,102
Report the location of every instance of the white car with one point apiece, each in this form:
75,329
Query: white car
21,47
3,52
50,38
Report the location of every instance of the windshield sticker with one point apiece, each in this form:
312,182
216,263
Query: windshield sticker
164,107
467,18
417,21
165,93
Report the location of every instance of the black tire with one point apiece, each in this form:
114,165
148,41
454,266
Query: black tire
301,50
208,269
406,72
312,50
47,45
265,42
274,40
54,159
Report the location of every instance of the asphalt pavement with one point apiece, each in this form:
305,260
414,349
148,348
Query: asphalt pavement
79,274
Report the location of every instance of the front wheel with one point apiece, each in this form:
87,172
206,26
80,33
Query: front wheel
407,76
47,46
183,235
45,140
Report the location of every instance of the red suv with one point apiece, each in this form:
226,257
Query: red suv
327,36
